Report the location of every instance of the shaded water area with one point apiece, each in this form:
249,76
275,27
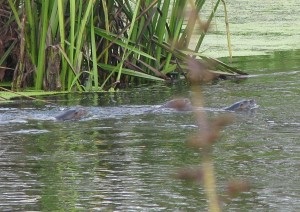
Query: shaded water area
122,158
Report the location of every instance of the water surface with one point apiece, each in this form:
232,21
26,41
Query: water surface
256,27
122,158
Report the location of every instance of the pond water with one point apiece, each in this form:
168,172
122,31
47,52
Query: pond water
122,158
256,27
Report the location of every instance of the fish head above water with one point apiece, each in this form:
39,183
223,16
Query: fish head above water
72,114
244,105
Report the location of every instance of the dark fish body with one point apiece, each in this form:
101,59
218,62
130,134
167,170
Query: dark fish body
244,105
179,104
72,114
184,104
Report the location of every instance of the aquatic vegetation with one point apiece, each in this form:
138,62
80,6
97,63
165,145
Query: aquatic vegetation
99,45
6,94
207,134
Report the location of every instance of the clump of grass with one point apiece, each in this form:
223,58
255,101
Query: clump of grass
99,45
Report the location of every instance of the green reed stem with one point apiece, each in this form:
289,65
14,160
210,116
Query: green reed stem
42,46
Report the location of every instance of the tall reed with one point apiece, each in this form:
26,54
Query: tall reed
99,44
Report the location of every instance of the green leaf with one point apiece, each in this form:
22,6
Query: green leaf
113,38
129,72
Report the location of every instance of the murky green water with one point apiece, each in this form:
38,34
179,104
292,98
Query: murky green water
122,158
256,27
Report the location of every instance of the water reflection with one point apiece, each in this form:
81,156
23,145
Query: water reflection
122,158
